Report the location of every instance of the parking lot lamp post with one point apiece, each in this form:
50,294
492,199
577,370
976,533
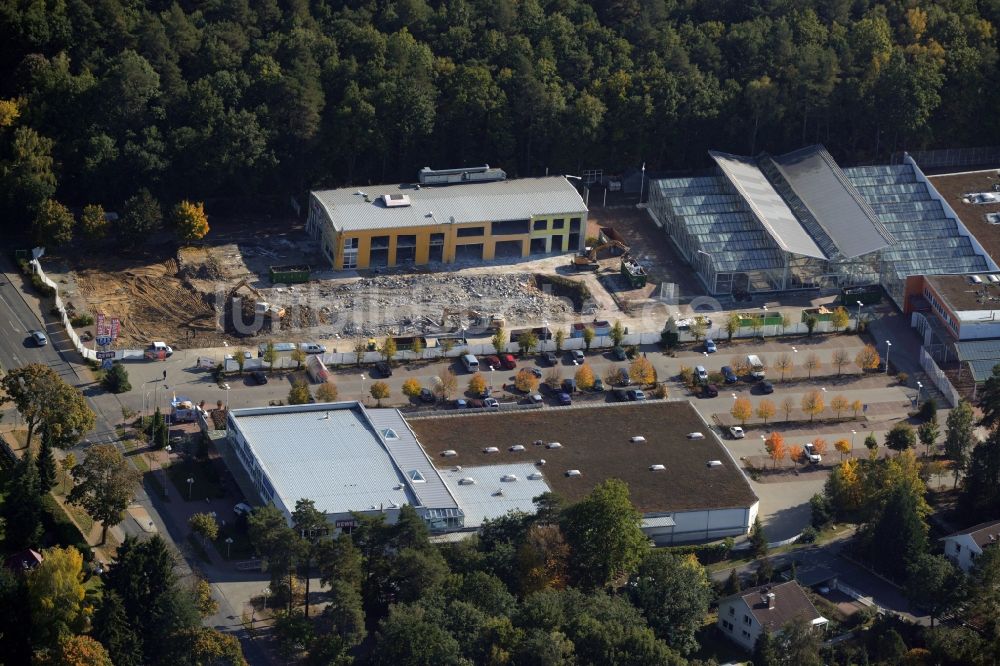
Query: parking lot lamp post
920,391
227,396
363,389
190,482
229,545
888,346
491,378
853,433
858,326
144,394
763,443
267,593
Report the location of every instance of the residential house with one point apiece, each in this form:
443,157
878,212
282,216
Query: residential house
964,546
743,617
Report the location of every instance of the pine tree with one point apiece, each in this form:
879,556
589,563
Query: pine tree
758,539
732,583
116,632
22,507
981,486
46,463
764,651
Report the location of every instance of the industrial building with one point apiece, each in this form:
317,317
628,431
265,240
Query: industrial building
799,221
687,489
345,458
450,215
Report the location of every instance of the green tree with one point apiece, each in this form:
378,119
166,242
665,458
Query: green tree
270,355
588,337
53,224
499,341
22,506
758,539
698,328
798,644
116,379
617,333
276,542
189,220
901,437
983,602
299,357
896,533
989,399
871,443
116,632
560,338
56,594
299,393
411,636
765,652
840,319
311,525
142,217
733,323
93,223
607,511
46,464
27,175
379,391
811,323
932,583
673,592
959,437
927,433
981,487
105,485
388,349
526,342
417,347
44,400
204,525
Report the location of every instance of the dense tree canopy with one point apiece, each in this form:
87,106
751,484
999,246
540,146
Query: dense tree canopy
197,100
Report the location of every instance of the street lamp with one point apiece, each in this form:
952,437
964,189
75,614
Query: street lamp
190,482
888,346
859,314
225,387
853,433
229,544
642,181
267,593
920,391
491,378
363,388
586,200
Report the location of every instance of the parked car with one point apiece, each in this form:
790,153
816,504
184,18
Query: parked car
565,399
635,395
569,385
576,356
535,398
811,455
701,373
426,395
475,403
598,385
710,346
507,362
618,353
736,432
621,395
622,378
766,387
729,374
461,403
383,369
312,348
710,391
242,509
491,361
491,403
549,358
536,372
39,338
258,377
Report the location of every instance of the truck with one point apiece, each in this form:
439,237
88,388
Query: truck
279,347
158,351
756,366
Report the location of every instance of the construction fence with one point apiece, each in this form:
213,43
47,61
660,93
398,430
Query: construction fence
938,378
88,354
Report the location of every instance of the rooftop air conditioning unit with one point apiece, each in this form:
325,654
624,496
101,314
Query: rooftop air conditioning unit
572,472
491,449
553,445
638,439
715,463
535,476
657,468
975,279
517,447
467,481
508,478
450,453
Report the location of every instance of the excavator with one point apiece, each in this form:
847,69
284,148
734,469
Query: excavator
261,306
587,260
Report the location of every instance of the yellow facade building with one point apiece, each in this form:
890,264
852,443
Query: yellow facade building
453,215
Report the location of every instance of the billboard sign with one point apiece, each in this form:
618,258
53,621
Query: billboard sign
116,324
102,323
104,355
103,340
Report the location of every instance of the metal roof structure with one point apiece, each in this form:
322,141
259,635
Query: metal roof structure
983,369
490,497
358,209
832,201
767,205
341,456
978,350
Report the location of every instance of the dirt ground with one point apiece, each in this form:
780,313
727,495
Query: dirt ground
954,187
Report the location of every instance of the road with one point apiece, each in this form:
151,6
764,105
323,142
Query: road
17,317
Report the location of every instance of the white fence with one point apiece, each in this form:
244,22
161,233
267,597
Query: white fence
856,595
88,354
939,379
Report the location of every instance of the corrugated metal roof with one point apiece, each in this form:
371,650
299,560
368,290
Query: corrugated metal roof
431,205
983,370
658,521
831,198
978,350
772,211
480,500
408,454
329,456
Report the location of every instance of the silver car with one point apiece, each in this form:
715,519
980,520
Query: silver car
39,338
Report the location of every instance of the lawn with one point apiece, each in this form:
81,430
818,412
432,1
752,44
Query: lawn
132,447
80,517
206,479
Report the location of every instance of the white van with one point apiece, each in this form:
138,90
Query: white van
470,362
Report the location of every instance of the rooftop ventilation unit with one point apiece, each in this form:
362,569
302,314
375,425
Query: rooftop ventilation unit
553,445
715,463
396,200
508,478
638,439
572,472
975,279
450,453
516,447
657,468
498,493
467,481
491,449
482,174
994,278
535,476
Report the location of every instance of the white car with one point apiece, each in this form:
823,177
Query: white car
312,348
701,372
696,435
491,403
578,356
811,455
737,432
242,509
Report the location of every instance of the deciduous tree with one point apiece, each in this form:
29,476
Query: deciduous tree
901,437
412,387
588,337
105,485
839,404
526,342
379,391
189,220
525,381
812,363
204,525
326,392
388,349
819,445
843,447
733,323
867,358
299,356
477,384
617,333
79,651
795,453
299,393
812,404
775,446
840,359
741,410
959,437
499,341
840,319
783,365
673,593
44,400
585,377
93,223
447,384
56,594
641,371
856,407
766,410
928,433
53,224
143,216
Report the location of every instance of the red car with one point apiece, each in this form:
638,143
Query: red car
491,361
507,362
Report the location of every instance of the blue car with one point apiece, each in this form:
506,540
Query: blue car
565,399
710,346
728,373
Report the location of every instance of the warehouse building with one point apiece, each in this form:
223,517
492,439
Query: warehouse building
345,458
799,221
450,215
687,489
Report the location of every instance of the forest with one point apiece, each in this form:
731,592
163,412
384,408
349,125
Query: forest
239,100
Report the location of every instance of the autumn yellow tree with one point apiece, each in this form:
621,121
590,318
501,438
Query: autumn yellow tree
812,364
93,222
765,410
846,488
867,358
379,391
411,388
840,319
447,384
9,112
477,384
78,651
775,446
843,447
856,407
56,595
795,453
812,404
190,221
641,371
839,404
326,392
585,377
840,359
741,410
543,559
526,381
819,445
783,365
